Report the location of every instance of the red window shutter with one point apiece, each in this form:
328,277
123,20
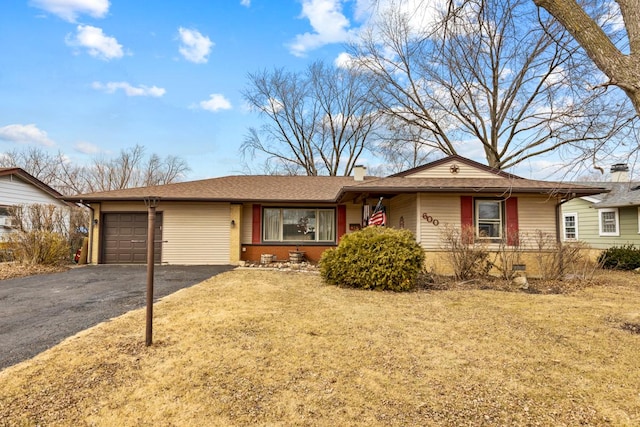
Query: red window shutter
342,221
512,221
466,218
256,225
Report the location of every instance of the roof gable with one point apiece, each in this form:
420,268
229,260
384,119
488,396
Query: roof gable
454,167
30,179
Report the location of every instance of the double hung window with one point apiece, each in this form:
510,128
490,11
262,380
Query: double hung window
489,219
570,223
609,222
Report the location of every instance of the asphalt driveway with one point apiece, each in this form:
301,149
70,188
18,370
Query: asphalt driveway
38,312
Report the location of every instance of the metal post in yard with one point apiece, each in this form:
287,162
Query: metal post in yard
151,203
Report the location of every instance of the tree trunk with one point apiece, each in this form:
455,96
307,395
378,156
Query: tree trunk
622,70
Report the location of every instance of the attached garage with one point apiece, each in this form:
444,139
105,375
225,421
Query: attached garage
124,237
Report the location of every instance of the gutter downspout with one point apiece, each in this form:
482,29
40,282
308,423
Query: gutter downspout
559,231
90,246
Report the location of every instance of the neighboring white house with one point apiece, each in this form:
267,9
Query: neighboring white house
17,187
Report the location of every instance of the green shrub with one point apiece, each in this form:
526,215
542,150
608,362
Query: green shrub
626,257
374,258
38,247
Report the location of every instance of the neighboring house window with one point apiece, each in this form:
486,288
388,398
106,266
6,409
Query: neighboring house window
609,222
298,225
489,219
570,223
6,220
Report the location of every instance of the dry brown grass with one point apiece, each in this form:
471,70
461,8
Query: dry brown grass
274,348
11,270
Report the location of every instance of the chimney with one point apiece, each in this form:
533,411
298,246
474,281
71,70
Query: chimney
619,173
359,172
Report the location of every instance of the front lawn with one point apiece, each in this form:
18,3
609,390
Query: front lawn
277,348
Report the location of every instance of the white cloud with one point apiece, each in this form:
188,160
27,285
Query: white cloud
344,60
129,90
195,47
422,15
328,22
612,18
245,3
25,134
96,42
69,10
274,105
215,103
87,148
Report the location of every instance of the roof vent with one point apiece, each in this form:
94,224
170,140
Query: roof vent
359,172
619,172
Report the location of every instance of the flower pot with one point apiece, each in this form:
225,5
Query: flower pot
296,257
266,258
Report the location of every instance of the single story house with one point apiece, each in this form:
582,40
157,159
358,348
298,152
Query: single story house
17,187
240,218
607,219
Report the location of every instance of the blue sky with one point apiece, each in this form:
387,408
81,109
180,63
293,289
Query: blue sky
90,77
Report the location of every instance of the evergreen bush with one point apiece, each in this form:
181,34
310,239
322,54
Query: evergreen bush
374,258
625,257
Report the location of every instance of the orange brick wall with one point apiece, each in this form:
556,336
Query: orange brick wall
253,252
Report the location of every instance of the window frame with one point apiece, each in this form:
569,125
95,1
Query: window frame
281,240
564,226
501,220
616,219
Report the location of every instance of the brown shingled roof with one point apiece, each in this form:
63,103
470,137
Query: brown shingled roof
241,188
503,184
328,189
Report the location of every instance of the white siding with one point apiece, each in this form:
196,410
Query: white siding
14,192
444,171
536,214
404,206
196,233
442,210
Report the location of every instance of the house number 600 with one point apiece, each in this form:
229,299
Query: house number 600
430,219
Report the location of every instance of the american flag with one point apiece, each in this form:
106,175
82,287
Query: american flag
379,216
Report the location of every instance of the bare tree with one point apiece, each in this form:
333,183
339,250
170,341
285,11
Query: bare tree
617,57
319,121
490,76
131,168
402,146
35,161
